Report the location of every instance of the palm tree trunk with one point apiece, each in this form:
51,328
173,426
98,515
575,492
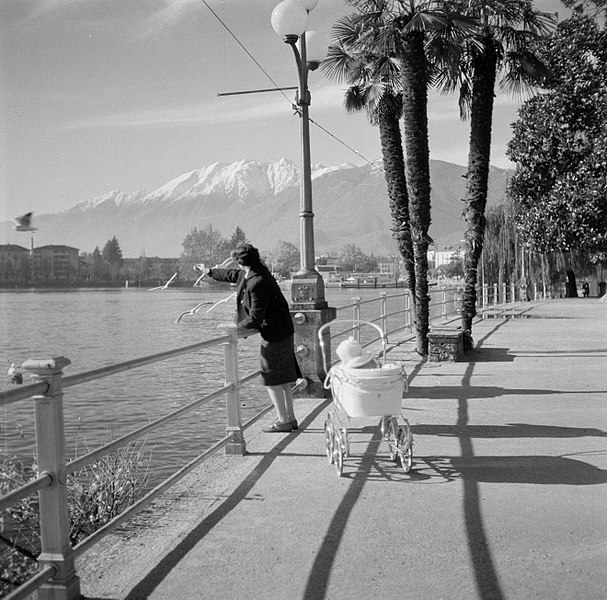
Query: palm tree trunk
481,114
415,119
396,181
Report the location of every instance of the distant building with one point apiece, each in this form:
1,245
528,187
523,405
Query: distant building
444,256
55,264
14,265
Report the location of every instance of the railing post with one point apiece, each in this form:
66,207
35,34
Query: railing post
408,319
444,306
504,298
56,550
512,293
384,311
356,318
234,427
485,294
495,294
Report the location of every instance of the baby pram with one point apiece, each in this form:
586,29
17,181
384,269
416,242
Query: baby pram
364,392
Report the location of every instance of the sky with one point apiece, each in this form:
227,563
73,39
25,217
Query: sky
102,95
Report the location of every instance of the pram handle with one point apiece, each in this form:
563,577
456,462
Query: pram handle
382,335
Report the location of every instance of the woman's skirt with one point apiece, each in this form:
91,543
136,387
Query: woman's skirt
278,362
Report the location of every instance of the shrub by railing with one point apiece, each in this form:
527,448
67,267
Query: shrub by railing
57,577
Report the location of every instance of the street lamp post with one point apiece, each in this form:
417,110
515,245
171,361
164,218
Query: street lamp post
308,304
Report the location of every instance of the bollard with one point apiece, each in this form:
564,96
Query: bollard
56,550
236,445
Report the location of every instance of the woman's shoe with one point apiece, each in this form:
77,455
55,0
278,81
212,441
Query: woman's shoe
278,427
294,424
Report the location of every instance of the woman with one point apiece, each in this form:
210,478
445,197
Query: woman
261,306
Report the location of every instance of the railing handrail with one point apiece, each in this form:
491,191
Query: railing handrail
13,395
54,387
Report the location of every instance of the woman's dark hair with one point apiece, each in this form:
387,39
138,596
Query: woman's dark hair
246,255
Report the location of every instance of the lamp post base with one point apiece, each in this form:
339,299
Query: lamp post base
310,312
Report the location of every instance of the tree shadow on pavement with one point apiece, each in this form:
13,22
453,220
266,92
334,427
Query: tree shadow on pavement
537,470
450,392
490,355
511,430
154,578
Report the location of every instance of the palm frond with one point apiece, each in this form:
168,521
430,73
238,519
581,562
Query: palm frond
524,71
338,63
355,99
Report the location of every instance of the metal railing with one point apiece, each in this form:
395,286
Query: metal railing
445,304
57,577
493,294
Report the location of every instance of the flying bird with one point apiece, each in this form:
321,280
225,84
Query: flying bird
222,301
198,280
24,223
192,311
165,286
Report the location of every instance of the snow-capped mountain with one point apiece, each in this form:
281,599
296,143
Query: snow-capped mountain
350,204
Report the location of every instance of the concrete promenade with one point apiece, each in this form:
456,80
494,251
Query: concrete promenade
506,500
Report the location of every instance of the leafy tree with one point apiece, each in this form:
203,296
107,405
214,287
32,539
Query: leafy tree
203,246
238,236
455,267
283,259
560,185
98,267
112,255
352,258
500,246
112,252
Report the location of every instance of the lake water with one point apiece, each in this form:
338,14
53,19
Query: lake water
99,327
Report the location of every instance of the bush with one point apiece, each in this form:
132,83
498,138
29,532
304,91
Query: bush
96,494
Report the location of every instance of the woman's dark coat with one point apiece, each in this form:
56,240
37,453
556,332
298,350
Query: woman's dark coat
260,303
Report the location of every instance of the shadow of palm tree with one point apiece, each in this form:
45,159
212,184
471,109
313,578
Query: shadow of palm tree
536,470
512,430
460,392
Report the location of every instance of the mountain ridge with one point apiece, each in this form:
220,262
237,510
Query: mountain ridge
350,203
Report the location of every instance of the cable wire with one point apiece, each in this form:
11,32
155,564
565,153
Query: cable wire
278,89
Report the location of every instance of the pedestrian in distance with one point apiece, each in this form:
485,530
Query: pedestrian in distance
585,289
261,306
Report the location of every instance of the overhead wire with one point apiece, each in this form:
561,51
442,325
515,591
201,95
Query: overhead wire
279,89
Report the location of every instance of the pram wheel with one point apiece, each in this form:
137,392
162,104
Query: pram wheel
338,453
404,446
391,430
346,443
329,440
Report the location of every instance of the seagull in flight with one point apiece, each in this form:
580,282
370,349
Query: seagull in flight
192,311
222,301
165,286
24,223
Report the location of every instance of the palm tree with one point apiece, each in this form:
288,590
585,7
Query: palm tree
498,46
407,28
375,88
